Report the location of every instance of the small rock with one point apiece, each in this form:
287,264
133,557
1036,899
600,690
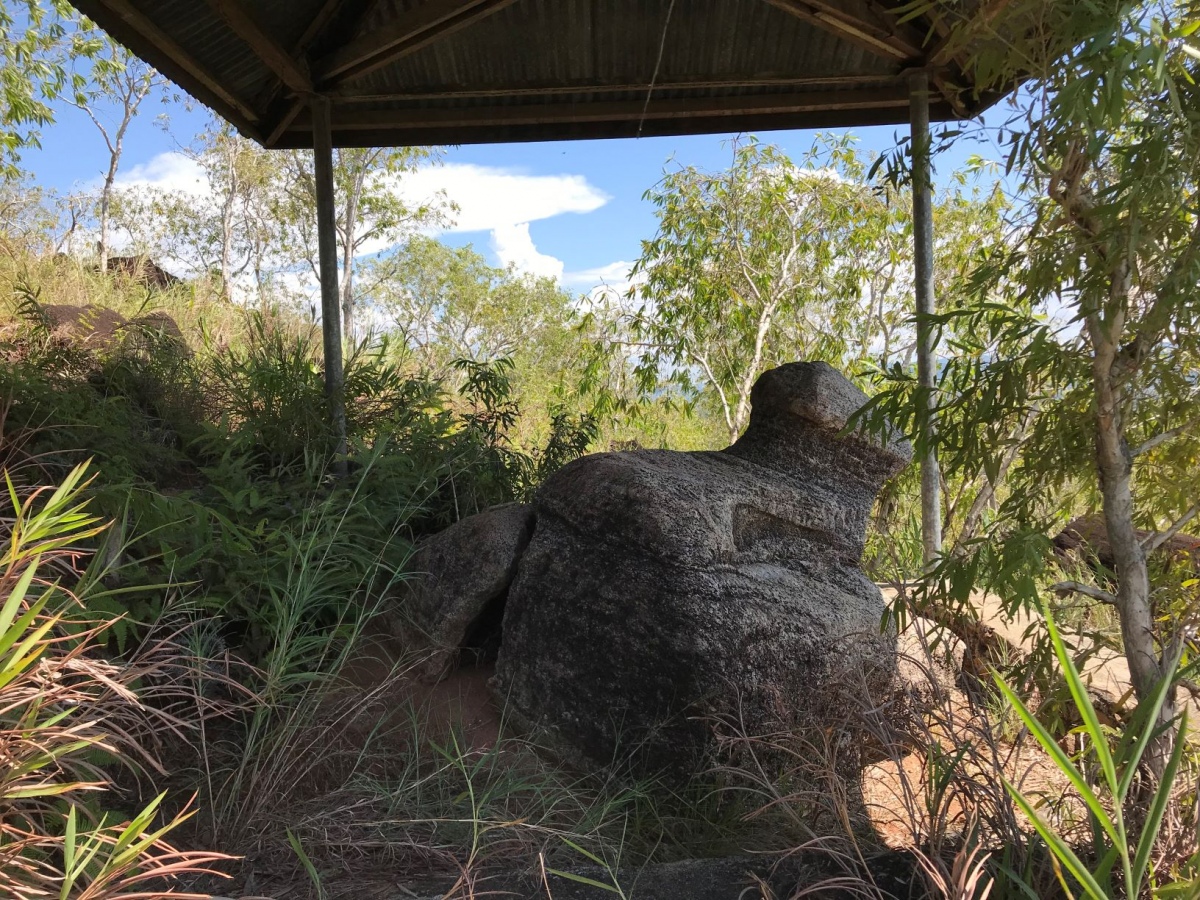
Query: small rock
928,660
1085,540
462,575
89,326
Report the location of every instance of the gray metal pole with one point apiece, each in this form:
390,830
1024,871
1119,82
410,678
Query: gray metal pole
331,314
922,167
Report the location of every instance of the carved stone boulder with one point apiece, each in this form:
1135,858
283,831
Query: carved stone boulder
662,588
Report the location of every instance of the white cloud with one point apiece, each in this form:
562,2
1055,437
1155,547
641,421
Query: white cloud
167,172
489,198
615,274
505,202
500,201
515,247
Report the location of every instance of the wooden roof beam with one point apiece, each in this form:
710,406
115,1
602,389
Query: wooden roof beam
481,92
325,17
610,111
913,34
899,45
285,112
290,71
416,29
284,120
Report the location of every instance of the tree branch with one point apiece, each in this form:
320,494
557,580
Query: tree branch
1160,439
760,341
988,491
1155,541
712,378
1075,587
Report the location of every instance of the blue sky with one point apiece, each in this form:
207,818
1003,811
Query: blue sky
572,209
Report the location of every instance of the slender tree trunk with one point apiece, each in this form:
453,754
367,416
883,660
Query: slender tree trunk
922,200
105,205
1114,459
1114,463
348,264
227,242
116,147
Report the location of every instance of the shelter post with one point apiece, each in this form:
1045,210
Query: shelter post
922,193
331,314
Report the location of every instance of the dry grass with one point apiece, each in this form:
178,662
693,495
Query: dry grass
931,770
204,317
67,717
370,787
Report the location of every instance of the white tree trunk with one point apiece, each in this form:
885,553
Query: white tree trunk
350,238
1114,463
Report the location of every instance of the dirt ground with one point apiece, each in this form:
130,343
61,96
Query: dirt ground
896,792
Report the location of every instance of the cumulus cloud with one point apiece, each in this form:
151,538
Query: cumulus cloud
515,247
500,201
489,198
504,202
167,172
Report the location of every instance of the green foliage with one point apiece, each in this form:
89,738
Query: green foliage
368,208
215,466
490,420
32,75
739,257
448,303
233,229
1071,377
53,715
133,405
772,261
1117,849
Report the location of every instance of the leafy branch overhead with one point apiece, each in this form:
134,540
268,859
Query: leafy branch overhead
1084,327
774,260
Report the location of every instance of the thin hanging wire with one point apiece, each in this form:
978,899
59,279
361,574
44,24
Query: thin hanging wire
662,43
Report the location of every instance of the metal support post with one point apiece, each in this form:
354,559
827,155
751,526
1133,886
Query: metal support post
922,168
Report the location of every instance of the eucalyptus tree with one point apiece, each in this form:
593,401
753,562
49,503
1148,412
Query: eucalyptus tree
27,217
739,256
148,220
771,261
110,92
372,214
449,303
230,224
1099,338
32,74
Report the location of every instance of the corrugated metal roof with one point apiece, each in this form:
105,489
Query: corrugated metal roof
462,71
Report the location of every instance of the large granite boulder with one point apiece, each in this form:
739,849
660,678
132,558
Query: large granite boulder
1085,540
661,588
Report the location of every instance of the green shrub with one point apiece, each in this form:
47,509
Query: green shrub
56,711
215,465
1125,826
